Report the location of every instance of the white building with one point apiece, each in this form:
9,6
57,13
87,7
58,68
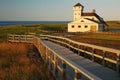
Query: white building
86,21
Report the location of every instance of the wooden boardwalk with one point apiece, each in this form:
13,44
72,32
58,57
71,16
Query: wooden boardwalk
20,38
52,52
82,63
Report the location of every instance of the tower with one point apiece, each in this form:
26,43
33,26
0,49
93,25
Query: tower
78,9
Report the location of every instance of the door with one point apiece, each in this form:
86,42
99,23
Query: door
93,28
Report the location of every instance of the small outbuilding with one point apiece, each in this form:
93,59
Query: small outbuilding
86,21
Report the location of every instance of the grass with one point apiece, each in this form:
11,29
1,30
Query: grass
111,40
26,29
16,65
113,24
43,28
57,29
106,39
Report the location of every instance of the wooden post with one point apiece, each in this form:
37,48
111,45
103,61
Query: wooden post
78,50
84,48
13,37
25,37
63,70
56,65
69,45
104,55
77,75
118,63
50,61
93,52
46,55
20,38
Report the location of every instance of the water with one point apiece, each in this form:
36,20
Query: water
8,23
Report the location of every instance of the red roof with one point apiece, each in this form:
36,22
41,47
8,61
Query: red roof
88,14
94,14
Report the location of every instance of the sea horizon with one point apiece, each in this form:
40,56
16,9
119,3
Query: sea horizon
10,23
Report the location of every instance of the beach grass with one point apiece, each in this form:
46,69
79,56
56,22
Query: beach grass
26,29
113,24
16,63
44,28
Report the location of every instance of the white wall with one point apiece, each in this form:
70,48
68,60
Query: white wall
82,24
82,28
77,12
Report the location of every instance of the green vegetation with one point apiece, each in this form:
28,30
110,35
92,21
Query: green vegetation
106,39
26,29
113,24
45,28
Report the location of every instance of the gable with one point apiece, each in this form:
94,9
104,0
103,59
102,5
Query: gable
84,21
100,19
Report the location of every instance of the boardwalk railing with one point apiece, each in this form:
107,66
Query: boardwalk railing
51,57
20,38
93,51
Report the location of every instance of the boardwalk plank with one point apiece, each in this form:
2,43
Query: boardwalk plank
96,69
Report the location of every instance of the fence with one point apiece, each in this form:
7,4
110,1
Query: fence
20,38
51,57
92,50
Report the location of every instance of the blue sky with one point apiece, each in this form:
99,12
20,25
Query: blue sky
55,10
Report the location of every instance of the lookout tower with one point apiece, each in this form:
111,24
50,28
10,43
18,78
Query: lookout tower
78,10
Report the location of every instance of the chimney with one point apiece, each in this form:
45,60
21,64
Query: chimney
93,11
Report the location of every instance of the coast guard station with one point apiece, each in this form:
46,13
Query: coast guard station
86,21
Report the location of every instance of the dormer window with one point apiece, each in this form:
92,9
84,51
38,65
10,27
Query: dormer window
82,20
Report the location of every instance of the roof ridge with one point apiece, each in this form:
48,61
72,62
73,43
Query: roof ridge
78,4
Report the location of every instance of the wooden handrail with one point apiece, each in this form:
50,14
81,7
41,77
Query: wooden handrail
70,43
40,45
85,44
20,38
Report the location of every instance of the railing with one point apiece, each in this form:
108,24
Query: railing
92,50
51,57
20,38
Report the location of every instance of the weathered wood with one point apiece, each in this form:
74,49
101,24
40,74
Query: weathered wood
63,70
67,61
71,44
55,65
82,66
77,75
20,38
85,66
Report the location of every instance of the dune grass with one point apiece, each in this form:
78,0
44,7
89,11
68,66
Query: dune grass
113,24
26,29
16,65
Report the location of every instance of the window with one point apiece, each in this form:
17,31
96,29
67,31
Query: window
82,20
93,18
79,26
86,26
72,26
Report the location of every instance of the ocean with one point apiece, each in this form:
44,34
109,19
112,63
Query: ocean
9,23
